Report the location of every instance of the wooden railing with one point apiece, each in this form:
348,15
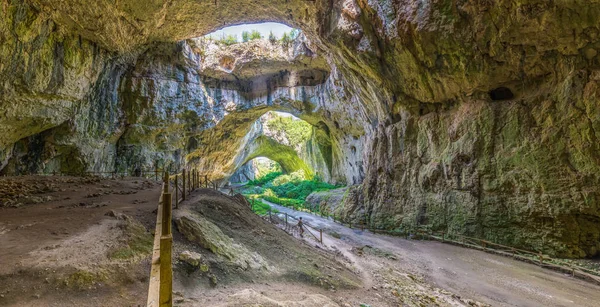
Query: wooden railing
160,289
292,228
524,255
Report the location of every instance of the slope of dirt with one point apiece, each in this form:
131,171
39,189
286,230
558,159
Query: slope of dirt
69,241
267,253
301,272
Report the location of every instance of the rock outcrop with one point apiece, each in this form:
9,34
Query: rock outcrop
476,117
201,231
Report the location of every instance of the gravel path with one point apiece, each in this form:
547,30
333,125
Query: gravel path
488,278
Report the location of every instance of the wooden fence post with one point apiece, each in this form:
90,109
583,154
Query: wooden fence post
206,181
176,191
165,295
286,221
166,181
183,184
167,213
166,245
321,235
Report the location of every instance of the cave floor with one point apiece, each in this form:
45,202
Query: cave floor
57,247
467,273
56,240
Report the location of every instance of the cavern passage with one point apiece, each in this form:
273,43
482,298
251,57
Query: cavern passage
485,125
479,118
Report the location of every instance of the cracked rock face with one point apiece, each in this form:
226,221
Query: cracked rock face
447,115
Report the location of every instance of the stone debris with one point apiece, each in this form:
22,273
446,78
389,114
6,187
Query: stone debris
191,258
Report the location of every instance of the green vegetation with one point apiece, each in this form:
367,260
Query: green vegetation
255,35
286,40
264,179
83,280
139,242
261,208
288,190
252,35
228,40
297,131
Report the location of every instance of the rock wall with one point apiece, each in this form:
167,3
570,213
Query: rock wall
478,117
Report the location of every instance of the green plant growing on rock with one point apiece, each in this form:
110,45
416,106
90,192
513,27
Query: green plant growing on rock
245,36
272,38
264,179
229,39
286,40
255,35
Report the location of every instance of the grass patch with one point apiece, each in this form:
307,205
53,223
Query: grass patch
261,208
83,280
138,242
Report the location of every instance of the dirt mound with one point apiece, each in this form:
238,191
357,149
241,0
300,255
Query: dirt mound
238,245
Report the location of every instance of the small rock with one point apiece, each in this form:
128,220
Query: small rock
191,258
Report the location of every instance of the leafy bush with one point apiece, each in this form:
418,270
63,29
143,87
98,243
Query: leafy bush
293,177
301,189
292,186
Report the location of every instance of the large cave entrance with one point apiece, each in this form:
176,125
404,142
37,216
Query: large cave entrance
254,169
294,144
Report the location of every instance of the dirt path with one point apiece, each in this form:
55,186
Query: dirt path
66,231
488,278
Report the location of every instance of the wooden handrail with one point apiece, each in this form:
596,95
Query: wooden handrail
160,288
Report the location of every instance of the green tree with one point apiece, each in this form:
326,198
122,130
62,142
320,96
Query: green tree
245,36
229,40
294,34
272,38
255,35
286,39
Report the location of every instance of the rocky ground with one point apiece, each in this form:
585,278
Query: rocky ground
69,241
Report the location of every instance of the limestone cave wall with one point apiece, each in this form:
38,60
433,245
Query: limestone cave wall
478,117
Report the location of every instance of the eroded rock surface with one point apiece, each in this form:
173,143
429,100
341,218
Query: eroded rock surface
476,117
199,230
